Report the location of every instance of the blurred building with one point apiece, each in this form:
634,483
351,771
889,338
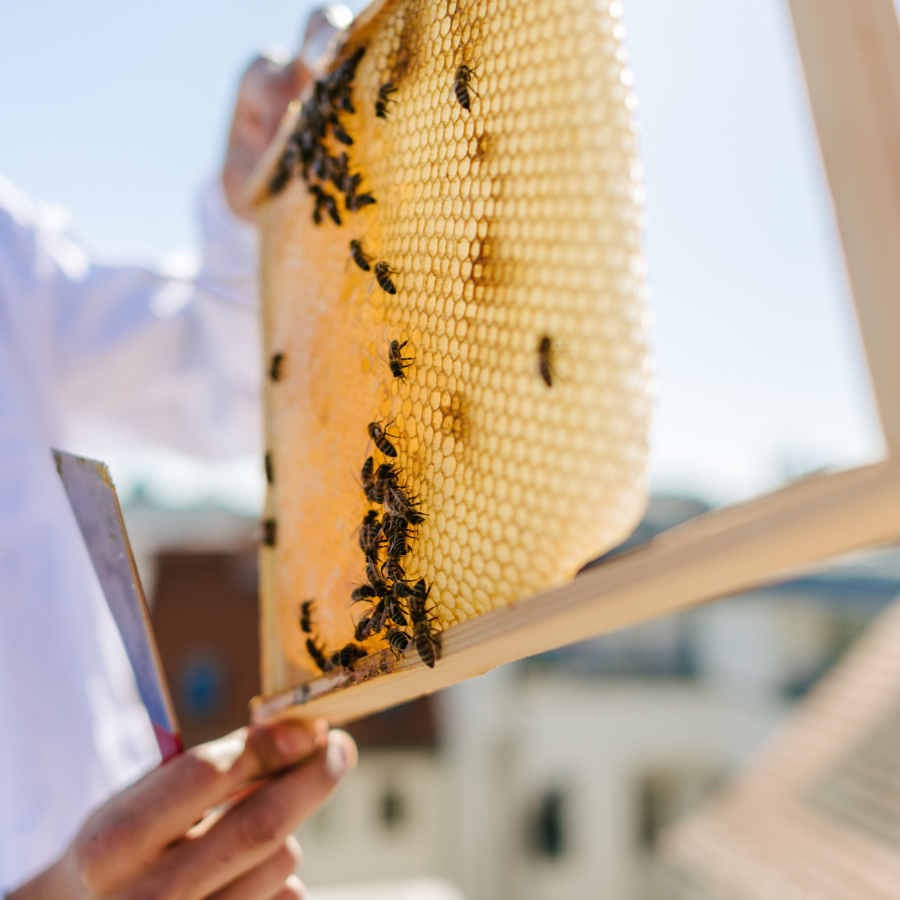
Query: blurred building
546,777
198,568
818,815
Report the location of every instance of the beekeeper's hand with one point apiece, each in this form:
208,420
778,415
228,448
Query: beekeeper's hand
266,88
214,822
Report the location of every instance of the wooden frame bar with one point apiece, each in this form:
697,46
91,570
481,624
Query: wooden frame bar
850,51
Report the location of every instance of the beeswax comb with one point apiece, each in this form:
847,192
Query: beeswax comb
453,298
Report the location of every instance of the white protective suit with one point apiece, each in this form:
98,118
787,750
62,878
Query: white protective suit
87,347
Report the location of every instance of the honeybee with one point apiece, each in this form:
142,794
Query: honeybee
320,98
373,623
276,369
385,478
340,134
398,542
461,86
383,274
425,642
375,494
365,592
335,169
278,182
398,640
380,588
370,534
372,573
395,609
392,526
395,497
379,617
363,627
326,201
311,127
342,78
331,208
346,182
345,103
306,616
396,361
412,517
376,619
347,655
317,654
378,435
395,528
417,596
321,163
320,195
270,472
393,569
398,505
387,474
270,529
545,366
366,476
358,201
384,97
363,260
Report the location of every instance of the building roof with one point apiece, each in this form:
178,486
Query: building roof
818,815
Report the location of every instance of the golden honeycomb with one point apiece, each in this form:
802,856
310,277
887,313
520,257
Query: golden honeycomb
511,230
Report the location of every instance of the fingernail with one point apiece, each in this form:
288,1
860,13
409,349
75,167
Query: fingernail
223,752
293,740
336,760
320,728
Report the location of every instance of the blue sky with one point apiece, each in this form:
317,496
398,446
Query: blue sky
118,111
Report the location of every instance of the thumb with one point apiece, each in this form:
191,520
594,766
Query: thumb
266,88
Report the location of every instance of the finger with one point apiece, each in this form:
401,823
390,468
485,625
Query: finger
266,89
267,879
303,75
293,889
253,830
127,834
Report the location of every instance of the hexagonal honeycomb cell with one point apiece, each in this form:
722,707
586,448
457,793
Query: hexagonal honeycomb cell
481,156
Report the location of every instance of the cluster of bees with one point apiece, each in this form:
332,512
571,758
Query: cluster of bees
397,606
306,153
345,657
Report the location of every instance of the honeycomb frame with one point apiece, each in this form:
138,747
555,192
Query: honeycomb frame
512,237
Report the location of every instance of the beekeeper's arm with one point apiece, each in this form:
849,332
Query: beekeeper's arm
148,353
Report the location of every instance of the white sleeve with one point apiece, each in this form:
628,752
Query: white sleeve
129,351
95,347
